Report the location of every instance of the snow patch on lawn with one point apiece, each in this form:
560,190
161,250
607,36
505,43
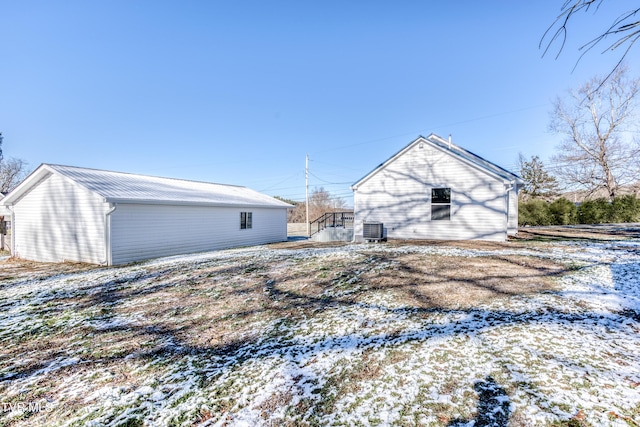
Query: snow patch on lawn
545,357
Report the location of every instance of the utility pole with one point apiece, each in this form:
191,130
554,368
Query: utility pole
306,177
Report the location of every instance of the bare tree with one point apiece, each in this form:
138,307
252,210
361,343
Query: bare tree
598,151
12,172
622,33
539,182
320,202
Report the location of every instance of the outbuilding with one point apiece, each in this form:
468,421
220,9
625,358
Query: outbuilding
65,213
433,189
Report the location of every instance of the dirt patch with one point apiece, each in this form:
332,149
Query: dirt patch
450,282
523,238
305,244
481,245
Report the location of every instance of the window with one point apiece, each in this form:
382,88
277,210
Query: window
440,204
245,220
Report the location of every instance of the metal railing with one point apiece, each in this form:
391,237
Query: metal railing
331,219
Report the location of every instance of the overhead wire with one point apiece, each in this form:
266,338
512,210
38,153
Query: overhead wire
489,116
280,182
328,182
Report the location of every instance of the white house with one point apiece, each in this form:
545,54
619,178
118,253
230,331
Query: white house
433,189
62,213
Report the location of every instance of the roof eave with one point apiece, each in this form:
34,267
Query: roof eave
382,165
193,203
40,173
479,162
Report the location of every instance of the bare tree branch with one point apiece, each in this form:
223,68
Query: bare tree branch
320,202
626,29
568,10
597,151
12,172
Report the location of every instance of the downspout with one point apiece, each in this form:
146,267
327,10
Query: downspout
353,239
107,234
13,230
509,188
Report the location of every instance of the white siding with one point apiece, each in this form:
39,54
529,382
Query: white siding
60,221
149,231
399,195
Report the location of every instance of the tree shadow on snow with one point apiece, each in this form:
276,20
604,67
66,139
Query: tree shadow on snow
423,284
493,406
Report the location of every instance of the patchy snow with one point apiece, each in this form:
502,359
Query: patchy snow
534,360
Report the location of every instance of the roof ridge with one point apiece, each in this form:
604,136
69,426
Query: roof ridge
53,165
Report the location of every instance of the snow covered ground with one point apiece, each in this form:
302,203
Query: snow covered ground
311,337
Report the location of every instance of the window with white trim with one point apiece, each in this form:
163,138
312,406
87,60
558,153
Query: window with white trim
440,204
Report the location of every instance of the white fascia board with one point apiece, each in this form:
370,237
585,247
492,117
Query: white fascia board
187,203
40,173
476,165
384,164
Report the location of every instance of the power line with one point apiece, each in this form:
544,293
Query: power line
327,182
489,116
280,182
341,167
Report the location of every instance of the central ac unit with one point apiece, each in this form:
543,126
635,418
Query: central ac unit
373,231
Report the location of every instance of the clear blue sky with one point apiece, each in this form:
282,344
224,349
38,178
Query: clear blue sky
238,92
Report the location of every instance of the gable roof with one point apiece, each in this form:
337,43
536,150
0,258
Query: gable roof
454,150
120,187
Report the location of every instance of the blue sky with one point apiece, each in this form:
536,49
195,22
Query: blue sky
238,92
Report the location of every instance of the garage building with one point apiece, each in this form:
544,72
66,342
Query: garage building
64,213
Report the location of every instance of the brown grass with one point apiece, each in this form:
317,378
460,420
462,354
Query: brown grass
585,232
216,307
460,282
14,268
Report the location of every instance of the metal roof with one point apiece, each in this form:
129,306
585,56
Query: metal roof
120,187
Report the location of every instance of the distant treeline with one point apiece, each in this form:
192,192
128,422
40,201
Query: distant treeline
563,212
